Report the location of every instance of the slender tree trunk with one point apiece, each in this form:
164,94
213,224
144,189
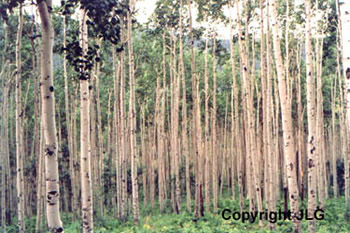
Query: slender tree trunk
287,123
48,119
39,205
311,114
184,116
238,148
206,128
213,132
334,142
345,26
19,127
132,123
162,141
85,150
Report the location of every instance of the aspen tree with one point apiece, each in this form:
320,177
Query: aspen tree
345,25
321,173
19,127
269,120
100,149
334,158
68,120
287,123
248,98
39,205
311,114
206,128
132,119
213,131
85,150
48,119
117,137
195,131
93,140
236,115
234,111
224,150
4,151
199,153
162,141
122,130
6,174
152,147
175,90
300,136
145,159
73,123
266,156
184,115
339,81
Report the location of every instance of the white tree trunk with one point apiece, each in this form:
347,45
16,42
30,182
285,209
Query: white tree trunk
287,121
48,119
85,152
345,24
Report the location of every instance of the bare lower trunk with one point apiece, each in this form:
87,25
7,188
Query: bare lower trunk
48,120
85,151
132,123
287,123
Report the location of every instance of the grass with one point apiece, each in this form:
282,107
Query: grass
152,221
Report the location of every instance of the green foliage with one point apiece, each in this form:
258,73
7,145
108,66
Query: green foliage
335,220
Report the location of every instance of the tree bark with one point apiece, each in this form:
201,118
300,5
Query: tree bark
85,150
132,121
48,119
19,127
287,123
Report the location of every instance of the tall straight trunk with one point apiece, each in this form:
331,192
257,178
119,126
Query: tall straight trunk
343,138
74,110
48,119
68,121
269,121
266,114
162,141
100,148
248,101
300,136
345,26
287,122
122,137
213,132
85,152
174,128
5,174
184,131
223,175
152,149
132,123
311,118
333,141
144,151
19,127
194,108
320,137
238,147
199,153
93,145
39,205
206,128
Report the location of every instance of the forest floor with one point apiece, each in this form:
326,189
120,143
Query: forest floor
153,222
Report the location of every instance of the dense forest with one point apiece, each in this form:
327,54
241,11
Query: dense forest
175,124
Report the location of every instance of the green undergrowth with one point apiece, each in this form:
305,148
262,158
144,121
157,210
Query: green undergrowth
335,220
